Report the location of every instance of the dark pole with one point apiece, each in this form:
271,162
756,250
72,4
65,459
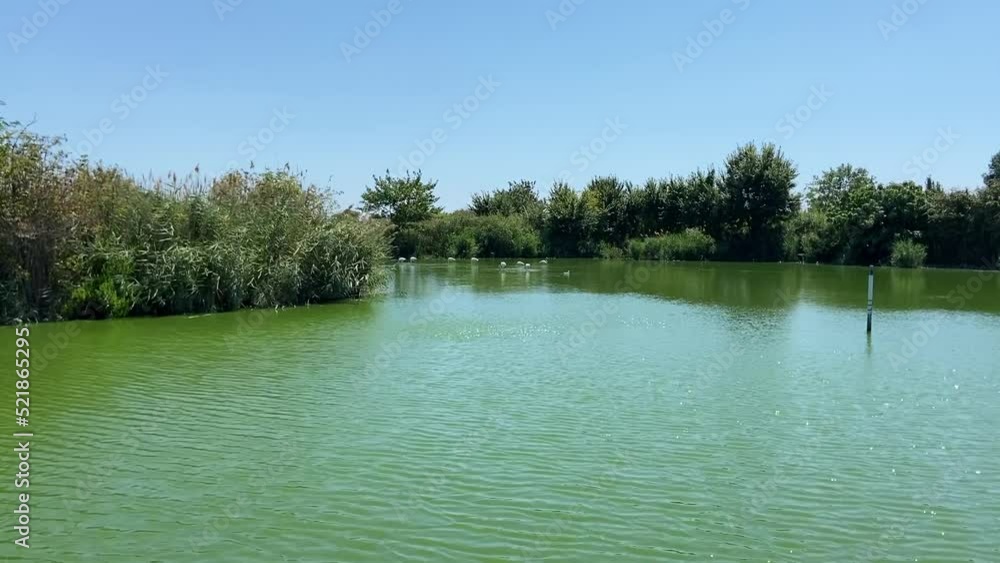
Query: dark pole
871,295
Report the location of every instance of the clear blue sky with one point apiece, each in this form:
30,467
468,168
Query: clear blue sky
893,90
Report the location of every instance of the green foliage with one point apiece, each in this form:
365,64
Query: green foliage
951,229
831,190
565,228
102,281
757,200
401,200
810,237
83,240
908,254
609,251
690,244
751,212
863,217
519,198
507,237
992,175
606,208
463,234
79,241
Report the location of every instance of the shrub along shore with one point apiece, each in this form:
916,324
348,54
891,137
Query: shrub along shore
85,241
79,240
748,211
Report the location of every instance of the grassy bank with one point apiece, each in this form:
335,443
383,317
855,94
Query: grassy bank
85,241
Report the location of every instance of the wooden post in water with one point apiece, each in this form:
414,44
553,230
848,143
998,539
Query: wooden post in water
871,295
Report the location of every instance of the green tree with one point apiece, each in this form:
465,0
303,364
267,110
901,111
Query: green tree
847,198
992,175
757,190
810,236
698,200
932,185
518,198
402,200
904,213
564,221
607,199
951,234
674,204
988,223
829,190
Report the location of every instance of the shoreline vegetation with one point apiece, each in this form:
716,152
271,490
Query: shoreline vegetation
85,241
747,211
80,240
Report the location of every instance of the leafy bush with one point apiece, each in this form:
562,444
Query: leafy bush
609,251
462,234
691,244
810,237
84,241
507,237
519,198
908,254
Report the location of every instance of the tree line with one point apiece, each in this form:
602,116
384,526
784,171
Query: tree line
79,240
749,210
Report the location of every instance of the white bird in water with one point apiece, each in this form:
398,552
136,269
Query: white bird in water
566,273
451,259
526,266
519,263
401,259
503,265
413,258
474,259
544,262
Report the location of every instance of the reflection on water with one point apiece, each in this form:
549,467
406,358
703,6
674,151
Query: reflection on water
726,284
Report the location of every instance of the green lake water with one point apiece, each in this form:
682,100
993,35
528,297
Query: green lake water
626,412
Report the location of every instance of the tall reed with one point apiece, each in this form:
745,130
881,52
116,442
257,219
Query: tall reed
85,241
